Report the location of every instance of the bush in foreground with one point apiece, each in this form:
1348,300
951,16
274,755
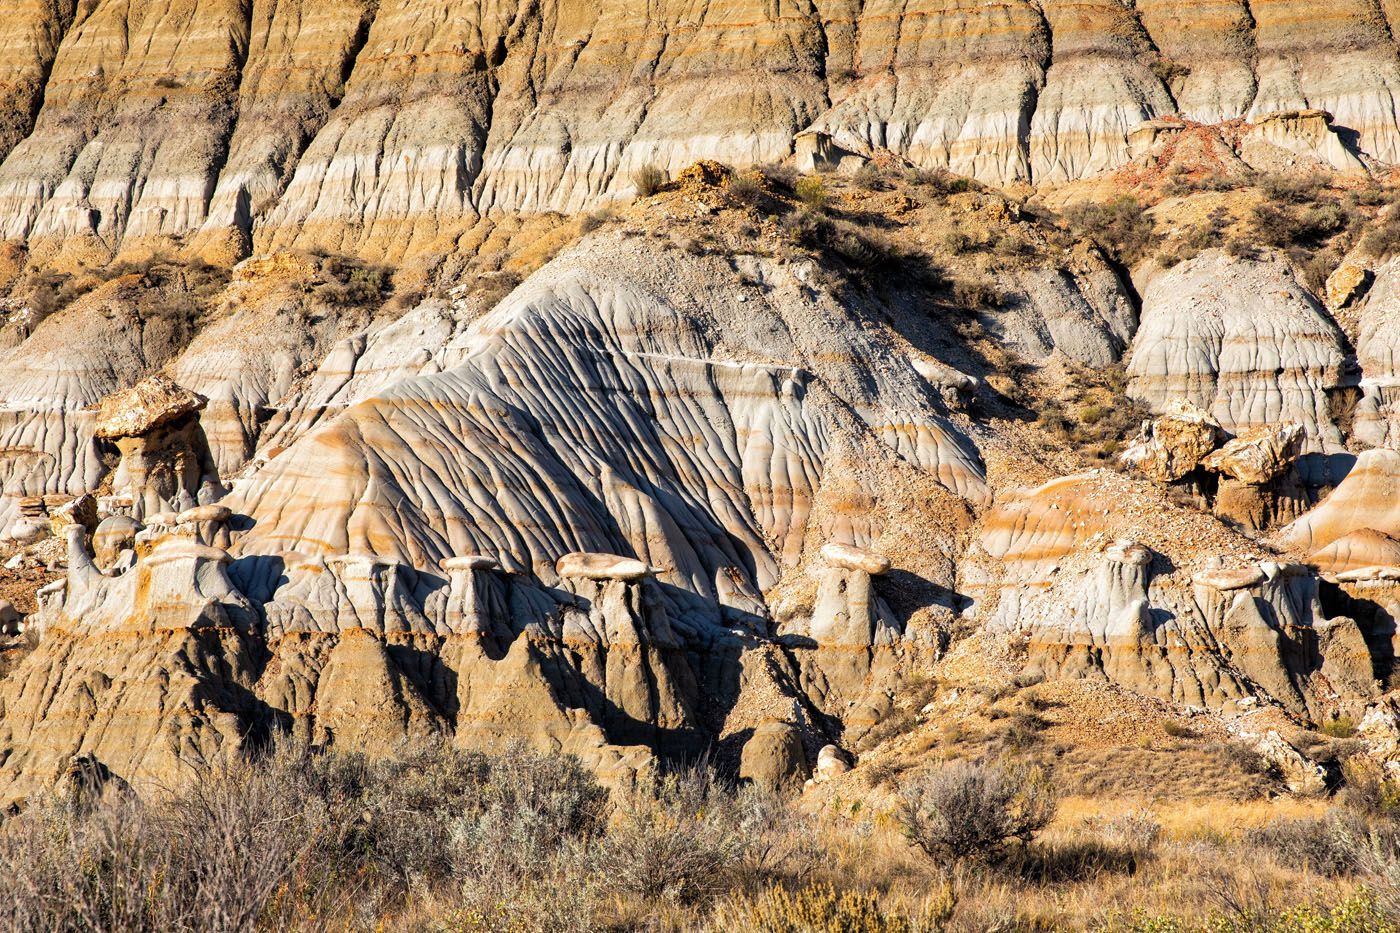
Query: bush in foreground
971,811
300,841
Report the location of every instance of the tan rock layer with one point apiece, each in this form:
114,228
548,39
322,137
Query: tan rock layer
387,127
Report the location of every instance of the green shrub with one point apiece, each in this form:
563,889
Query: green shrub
1121,228
812,192
1342,727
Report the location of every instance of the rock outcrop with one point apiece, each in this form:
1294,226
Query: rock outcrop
165,460
387,128
452,553
1245,342
1079,577
1171,446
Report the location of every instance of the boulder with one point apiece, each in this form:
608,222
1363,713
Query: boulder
1302,775
11,622
1259,455
586,565
27,531
114,534
1171,446
1380,731
80,511
1346,283
773,758
831,761
150,403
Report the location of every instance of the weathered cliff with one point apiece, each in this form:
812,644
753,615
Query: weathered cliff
384,128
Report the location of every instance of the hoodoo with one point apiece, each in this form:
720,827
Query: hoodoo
578,466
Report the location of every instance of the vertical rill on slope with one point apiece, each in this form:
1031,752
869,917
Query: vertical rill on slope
29,33
133,125
301,53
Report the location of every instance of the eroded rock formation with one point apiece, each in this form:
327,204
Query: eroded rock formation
388,126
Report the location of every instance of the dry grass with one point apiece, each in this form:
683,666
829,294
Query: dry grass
447,840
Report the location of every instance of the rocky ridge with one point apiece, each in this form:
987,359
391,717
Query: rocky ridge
730,467
386,128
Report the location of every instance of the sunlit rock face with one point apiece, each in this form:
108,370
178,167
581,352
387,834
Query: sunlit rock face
386,128
1104,583
1245,342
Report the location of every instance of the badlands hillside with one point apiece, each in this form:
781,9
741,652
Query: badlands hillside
824,392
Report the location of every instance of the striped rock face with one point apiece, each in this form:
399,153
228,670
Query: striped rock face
1243,341
1104,583
386,128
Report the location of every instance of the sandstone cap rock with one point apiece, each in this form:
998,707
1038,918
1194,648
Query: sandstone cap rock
469,562
592,565
1258,456
1369,574
1125,551
150,403
1226,579
849,557
205,513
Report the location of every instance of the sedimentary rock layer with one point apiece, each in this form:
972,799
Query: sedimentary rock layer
1244,341
386,127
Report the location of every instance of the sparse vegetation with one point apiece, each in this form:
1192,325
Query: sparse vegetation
1121,228
812,192
1383,240
593,220
746,188
348,282
1094,414
822,909
940,182
451,840
977,292
970,811
1341,727
648,180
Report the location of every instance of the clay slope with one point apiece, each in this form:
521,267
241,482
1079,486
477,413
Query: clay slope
408,558
385,128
